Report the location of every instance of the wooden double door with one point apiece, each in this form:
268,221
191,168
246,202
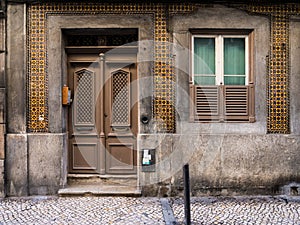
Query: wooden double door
103,113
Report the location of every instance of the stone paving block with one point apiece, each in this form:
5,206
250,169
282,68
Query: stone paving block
136,211
82,210
242,211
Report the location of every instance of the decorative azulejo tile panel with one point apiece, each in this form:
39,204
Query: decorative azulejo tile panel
164,76
278,120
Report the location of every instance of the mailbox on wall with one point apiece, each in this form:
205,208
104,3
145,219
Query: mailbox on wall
66,95
148,160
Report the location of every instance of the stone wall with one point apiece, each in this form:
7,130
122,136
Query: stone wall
295,74
224,158
2,104
16,164
228,164
36,163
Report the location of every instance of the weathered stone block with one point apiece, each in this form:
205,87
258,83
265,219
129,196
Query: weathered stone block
2,106
2,141
2,187
16,165
16,69
238,164
162,163
294,76
2,64
260,160
46,167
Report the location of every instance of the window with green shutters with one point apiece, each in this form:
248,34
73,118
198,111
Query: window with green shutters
222,84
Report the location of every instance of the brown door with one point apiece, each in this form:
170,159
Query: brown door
103,114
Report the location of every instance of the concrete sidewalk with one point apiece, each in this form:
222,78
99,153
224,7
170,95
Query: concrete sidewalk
130,210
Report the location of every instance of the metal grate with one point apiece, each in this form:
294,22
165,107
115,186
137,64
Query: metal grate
84,97
121,96
101,40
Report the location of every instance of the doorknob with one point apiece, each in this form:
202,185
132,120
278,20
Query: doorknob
105,115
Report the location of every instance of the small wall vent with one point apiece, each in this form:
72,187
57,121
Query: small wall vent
292,189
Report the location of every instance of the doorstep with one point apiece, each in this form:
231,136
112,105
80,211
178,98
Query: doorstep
100,190
101,185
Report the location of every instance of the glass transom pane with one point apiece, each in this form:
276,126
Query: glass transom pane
204,56
234,80
204,80
234,56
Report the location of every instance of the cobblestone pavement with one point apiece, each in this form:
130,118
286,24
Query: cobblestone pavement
240,210
126,210
81,210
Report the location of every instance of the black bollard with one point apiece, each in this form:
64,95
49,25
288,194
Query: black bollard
187,200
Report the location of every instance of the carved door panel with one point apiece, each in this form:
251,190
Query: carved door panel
103,115
121,117
84,149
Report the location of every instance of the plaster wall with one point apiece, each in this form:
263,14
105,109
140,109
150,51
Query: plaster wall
220,17
2,106
295,74
37,163
16,68
226,158
57,65
46,169
2,139
16,163
251,164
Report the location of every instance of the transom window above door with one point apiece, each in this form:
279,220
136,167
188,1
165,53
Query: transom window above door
220,59
222,80
101,37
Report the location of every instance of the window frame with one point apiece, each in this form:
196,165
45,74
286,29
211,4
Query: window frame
224,92
219,56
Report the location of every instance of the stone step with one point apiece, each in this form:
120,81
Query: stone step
101,185
99,190
84,179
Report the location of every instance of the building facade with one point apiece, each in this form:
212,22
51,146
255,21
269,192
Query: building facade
122,95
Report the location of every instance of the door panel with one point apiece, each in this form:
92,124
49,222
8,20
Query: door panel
120,156
84,156
103,117
120,122
83,143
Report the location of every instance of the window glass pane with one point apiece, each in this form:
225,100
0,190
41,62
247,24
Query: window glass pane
204,55
234,56
234,80
204,80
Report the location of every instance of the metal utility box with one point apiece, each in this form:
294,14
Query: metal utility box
148,160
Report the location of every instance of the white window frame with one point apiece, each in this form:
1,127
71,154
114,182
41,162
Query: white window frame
219,56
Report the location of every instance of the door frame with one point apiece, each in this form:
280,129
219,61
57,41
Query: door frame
103,103
57,68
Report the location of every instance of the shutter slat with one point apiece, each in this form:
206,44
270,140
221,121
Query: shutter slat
206,101
236,100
